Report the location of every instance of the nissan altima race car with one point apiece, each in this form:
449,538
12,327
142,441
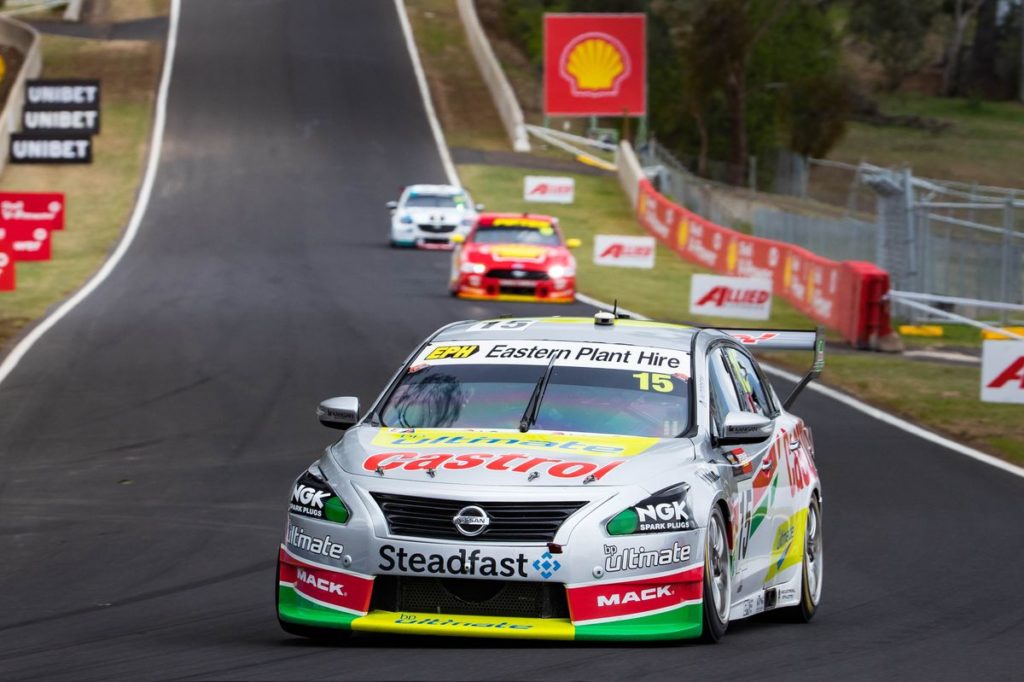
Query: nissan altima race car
428,216
561,478
514,257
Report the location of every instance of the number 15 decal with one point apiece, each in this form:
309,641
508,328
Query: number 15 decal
662,383
501,326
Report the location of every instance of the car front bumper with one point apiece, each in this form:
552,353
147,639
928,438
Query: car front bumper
483,288
646,604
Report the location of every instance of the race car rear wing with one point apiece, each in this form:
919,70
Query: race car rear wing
787,339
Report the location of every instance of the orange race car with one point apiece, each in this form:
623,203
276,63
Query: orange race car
514,257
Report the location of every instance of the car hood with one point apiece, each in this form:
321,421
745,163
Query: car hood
507,457
523,255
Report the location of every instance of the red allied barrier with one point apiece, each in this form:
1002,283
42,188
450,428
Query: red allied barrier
846,296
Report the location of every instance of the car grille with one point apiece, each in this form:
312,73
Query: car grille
437,228
467,597
510,521
527,275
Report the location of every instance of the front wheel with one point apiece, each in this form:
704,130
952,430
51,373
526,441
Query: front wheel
717,579
812,572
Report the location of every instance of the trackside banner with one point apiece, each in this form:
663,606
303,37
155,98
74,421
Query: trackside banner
1002,372
743,297
6,266
623,251
845,296
553,190
34,209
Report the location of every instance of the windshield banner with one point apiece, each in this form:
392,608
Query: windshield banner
599,355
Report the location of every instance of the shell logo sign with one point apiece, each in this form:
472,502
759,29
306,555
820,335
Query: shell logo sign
594,65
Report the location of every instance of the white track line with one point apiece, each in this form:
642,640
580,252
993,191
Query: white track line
25,345
855,404
421,80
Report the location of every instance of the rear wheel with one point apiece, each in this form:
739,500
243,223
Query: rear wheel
717,579
812,572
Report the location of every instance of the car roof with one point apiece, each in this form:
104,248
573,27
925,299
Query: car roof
434,189
583,329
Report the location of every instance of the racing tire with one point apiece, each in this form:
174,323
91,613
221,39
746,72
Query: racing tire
717,579
307,631
812,568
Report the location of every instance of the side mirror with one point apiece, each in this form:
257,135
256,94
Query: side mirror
458,238
573,243
740,428
392,205
338,413
479,207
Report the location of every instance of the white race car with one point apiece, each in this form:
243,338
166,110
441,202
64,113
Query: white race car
561,478
427,216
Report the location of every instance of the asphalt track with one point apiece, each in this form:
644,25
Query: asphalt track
148,441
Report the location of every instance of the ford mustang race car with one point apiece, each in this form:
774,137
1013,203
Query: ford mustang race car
561,478
514,257
428,216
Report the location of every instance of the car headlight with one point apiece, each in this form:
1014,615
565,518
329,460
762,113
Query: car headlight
467,222
474,268
559,271
406,220
313,496
663,512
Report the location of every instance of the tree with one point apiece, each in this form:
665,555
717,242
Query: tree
750,68
896,31
982,78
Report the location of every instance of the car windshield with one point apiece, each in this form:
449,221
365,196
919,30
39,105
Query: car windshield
587,399
436,201
544,236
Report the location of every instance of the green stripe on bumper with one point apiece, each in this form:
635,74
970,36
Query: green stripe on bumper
682,623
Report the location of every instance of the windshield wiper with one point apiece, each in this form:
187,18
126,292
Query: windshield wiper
533,406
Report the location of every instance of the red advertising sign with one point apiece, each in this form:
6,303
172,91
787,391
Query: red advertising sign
6,266
595,65
844,296
27,243
37,209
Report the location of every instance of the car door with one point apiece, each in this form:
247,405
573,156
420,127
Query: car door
736,386
771,529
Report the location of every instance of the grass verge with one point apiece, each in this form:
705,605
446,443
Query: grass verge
100,196
984,144
942,397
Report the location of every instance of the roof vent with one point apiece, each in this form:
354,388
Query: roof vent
604,319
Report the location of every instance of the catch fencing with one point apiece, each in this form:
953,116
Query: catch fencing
952,239
847,296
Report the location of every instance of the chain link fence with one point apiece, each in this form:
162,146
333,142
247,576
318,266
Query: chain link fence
959,240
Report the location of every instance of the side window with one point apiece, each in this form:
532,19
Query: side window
723,393
753,395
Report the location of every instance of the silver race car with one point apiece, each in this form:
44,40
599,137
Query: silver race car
428,216
561,478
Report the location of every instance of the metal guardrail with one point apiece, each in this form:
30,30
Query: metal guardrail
490,68
629,170
913,300
26,40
